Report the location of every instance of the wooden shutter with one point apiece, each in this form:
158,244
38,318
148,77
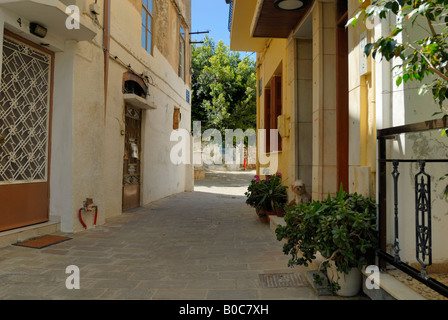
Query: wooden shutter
276,105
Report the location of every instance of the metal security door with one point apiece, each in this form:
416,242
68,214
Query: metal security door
131,162
25,109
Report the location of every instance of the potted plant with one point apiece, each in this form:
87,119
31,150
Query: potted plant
276,193
341,228
268,196
254,195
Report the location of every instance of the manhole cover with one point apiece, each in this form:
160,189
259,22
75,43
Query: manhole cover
282,280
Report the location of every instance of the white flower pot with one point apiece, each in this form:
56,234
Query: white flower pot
350,283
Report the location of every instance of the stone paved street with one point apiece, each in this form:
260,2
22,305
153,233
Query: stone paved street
206,244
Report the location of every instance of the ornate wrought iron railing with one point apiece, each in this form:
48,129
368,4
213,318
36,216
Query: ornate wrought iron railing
423,226
230,2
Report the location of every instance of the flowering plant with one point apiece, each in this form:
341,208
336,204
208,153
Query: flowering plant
254,193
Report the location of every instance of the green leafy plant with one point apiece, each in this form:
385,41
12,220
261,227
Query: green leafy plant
223,87
275,192
420,56
254,195
267,194
445,192
341,228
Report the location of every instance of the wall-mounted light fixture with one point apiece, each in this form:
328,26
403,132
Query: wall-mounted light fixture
288,4
38,30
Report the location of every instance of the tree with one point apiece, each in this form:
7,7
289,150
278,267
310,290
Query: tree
223,88
422,58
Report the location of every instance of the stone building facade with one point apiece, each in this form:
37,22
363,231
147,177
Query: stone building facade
91,91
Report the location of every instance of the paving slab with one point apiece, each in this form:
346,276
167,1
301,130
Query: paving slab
201,245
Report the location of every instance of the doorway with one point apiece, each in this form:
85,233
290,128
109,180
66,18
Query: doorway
131,159
342,97
25,132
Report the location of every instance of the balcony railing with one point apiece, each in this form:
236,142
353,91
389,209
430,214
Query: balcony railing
230,2
423,205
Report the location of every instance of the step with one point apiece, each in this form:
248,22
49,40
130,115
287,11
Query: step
390,288
274,221
21,234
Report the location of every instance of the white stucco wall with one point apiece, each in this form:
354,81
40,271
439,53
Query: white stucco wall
87,143
398,106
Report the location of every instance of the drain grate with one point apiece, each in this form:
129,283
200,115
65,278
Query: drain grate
282,280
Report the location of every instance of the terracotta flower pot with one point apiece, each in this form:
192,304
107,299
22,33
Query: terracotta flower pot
262,215
280,212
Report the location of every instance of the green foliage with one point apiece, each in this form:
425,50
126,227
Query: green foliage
341,228
445,192
268,194
424,59
223,88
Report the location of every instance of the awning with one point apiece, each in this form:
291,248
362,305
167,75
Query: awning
52,15
269,22
240,37
138,102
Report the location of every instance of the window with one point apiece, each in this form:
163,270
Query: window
147,16
182,53
176,118
273,109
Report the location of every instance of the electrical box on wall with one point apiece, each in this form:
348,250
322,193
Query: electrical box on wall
94,9
364,61
283,126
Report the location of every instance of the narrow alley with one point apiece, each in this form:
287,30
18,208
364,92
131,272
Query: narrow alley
206,244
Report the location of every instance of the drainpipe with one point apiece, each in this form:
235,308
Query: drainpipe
106,49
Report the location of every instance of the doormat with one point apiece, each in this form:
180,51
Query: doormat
282,280
42,242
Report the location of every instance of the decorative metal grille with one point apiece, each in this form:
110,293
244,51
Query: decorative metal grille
395,175
132,147
24,110
423,218
133,113
423,206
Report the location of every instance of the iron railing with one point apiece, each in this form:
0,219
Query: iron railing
423,226
230,2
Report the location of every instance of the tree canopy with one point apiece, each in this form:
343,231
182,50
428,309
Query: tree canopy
223,87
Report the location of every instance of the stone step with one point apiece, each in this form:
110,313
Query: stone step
25,233
390,288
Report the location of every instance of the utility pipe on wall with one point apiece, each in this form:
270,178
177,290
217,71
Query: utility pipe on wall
106,49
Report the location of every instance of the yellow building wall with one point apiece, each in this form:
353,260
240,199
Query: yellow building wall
316,73
362,138
273,61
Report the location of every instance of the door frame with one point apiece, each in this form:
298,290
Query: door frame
140,142
46,201
342,100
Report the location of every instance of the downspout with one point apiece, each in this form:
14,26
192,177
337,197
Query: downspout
106,50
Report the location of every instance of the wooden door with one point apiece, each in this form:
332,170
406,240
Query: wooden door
25,133
131,159
342,115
